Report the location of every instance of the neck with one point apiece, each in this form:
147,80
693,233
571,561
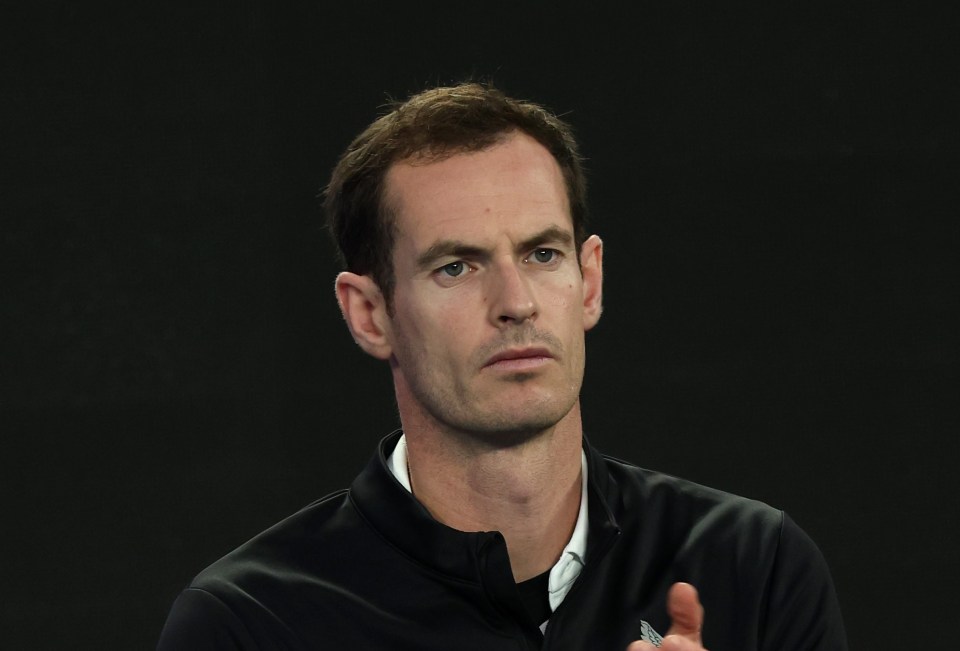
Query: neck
529,491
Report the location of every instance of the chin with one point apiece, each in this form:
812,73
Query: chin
503,439
515,427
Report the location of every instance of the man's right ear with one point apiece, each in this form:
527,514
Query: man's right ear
365,311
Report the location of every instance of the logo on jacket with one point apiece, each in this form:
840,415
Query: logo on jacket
647,634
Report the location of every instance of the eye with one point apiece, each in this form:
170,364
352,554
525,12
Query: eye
544,256
454,269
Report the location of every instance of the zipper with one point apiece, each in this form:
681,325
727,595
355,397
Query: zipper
584,573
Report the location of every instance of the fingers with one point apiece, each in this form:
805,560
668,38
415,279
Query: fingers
672,643
686,613
677,643
686,617
641,646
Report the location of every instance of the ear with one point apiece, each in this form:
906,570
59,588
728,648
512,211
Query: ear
591,267
365,311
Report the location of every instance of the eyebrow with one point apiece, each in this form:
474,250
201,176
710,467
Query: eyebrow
551,234
459,249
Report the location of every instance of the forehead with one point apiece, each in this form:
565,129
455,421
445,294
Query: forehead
510,187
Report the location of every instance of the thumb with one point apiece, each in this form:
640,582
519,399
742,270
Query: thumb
686,613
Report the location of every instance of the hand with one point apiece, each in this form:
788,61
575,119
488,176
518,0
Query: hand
686,615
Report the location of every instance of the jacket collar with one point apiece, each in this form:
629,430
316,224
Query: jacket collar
397,516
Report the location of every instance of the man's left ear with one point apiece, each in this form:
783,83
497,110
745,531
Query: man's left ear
591,267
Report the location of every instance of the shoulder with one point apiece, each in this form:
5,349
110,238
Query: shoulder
199,619
707,516
295,541
706,536
242,598
680,504
756,569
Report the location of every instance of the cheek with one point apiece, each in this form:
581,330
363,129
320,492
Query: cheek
437,333
566,295
407,331
559,300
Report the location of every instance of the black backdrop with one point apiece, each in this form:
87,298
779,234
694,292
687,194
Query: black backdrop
776,187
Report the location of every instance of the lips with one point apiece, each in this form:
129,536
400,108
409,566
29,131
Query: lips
519,358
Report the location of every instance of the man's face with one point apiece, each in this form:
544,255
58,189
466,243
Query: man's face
490,305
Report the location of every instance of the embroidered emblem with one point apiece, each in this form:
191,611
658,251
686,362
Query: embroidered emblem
647,634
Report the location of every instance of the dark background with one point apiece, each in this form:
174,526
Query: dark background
776,186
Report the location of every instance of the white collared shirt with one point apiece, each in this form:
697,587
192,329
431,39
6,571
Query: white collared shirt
566,570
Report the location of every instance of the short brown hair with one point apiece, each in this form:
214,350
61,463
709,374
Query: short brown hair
435,124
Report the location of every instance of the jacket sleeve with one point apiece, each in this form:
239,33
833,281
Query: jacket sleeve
199,620
802,612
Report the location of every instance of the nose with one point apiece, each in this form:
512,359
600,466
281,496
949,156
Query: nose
512,299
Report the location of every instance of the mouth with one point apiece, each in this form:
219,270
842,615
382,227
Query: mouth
519,359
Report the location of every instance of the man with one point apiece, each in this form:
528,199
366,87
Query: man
489,523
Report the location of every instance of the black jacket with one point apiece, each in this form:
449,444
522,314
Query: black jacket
368,568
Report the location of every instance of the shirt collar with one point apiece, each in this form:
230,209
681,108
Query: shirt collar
567,568
571,561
